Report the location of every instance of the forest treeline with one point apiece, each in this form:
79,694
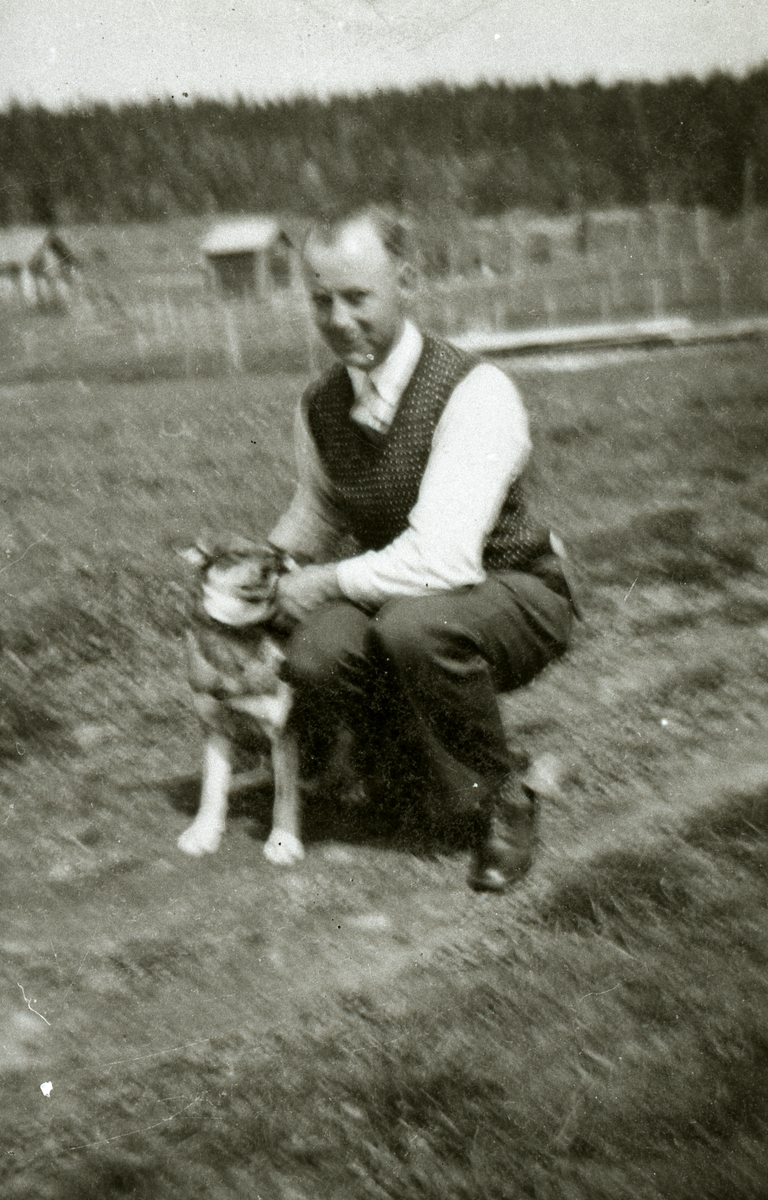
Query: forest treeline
481,150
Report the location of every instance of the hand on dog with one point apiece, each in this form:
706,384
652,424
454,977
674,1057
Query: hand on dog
303,590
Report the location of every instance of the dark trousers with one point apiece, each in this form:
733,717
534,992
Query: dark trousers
417,682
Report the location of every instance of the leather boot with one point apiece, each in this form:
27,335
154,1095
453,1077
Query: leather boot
504,842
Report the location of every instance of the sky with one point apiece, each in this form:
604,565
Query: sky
64,53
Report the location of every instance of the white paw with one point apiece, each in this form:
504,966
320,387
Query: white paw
283,849
202,837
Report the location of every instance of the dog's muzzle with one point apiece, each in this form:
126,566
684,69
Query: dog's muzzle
233,611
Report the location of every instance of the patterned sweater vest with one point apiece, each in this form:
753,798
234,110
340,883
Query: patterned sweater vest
376,486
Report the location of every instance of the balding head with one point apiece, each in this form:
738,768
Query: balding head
390,227
358,279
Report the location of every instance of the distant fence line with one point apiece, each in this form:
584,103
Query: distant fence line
660,261
514,272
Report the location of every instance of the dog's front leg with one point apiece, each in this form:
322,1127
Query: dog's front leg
204,834
283,846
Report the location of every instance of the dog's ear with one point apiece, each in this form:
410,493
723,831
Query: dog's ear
194,555
204,551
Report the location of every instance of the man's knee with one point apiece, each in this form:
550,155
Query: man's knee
409,629
326,643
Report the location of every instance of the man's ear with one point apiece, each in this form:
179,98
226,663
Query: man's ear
407,277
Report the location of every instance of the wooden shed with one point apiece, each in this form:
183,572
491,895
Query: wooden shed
251,256
37,267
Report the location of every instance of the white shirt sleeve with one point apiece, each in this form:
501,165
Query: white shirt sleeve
480,445
312,525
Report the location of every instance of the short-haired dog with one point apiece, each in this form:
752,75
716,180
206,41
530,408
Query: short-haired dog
234,671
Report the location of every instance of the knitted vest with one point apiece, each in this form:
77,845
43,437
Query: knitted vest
376,486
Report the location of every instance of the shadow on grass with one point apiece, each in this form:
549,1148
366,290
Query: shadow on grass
341,813
669,876
737,827
667,546
27,722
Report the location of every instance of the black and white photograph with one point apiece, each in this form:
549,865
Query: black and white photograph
384,600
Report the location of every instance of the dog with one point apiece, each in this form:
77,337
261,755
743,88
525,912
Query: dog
234,657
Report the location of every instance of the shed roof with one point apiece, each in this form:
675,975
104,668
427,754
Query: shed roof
241,236
18,246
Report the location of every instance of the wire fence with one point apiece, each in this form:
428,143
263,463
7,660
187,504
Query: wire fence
515,273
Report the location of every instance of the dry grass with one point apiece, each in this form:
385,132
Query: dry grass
365,1027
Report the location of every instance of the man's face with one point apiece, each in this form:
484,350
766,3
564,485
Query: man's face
358,291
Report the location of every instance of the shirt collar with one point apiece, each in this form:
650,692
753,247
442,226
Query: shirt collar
393,375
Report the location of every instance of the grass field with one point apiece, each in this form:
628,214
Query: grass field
364,1026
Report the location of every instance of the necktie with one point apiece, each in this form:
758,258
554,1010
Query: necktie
370,412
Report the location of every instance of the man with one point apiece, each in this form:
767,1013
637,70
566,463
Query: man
417,451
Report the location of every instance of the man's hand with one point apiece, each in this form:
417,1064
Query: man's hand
301,591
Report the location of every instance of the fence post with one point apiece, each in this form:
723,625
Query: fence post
662,232
606,311
28,341
498,312
702,231
170,313
617,291
686,280
157,319
724,289
232,339
186,329
141,342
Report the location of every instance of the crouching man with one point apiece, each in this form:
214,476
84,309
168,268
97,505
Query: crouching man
417,451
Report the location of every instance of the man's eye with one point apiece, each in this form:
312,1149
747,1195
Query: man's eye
321,301
355,298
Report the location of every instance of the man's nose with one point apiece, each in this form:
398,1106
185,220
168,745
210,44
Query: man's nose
340,315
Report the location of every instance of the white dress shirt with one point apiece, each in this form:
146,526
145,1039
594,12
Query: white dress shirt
480,445
378,392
